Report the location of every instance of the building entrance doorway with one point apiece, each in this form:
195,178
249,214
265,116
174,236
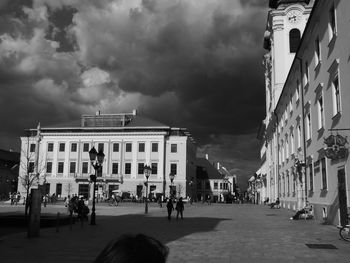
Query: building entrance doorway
342,197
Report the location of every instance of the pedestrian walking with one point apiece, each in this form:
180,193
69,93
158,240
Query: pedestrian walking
170,208
179,208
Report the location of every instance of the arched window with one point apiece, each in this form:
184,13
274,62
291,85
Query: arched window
294,40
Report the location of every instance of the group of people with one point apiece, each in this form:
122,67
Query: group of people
179,207
77,205
304,210
15,197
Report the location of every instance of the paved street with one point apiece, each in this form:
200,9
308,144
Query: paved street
216,233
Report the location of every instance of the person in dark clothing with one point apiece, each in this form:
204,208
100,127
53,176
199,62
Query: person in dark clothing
170,208
306,208
179,208
133,248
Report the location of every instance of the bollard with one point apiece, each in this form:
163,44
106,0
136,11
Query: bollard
58,222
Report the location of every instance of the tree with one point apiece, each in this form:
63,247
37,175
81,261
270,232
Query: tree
32,171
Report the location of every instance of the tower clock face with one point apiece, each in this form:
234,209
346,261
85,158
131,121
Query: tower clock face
294,16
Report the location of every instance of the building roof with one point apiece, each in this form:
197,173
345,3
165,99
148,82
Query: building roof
205,170
109,121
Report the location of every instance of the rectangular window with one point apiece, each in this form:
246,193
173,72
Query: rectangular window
73,147
154,168
317,52
320,112
173,148
215,185
114,168
291,143
173,168
62,147
308,126
32,147
220,186
287,148
85,168
101,147
115,147
306,73
49,167
86,147
324,173
299,136
141,147
50,147
311,177
128,147
83,189
332,23
140,168
154,147
297,91
60,167
127,168
336,96
72,167
31,167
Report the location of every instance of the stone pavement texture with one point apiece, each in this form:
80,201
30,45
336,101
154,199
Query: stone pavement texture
216,233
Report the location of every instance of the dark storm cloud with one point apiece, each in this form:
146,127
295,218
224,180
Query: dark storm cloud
194,64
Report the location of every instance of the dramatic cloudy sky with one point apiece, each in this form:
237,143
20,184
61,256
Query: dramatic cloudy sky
186,63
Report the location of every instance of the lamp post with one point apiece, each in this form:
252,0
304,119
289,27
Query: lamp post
96,159
191,192
171,176
147,171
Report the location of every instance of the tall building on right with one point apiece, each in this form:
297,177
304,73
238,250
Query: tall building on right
305,147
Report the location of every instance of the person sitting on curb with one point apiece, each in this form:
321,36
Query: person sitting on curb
275,204
306,208
132,249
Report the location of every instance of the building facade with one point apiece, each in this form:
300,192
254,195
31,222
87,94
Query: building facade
307,129
60,156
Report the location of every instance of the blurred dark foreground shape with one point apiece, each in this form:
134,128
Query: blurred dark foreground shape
133,249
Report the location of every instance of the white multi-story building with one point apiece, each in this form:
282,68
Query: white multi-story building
307,127
60,155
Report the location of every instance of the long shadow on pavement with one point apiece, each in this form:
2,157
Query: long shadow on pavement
82,244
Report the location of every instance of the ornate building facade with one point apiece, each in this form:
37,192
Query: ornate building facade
307,118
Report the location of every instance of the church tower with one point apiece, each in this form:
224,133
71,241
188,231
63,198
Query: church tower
284,28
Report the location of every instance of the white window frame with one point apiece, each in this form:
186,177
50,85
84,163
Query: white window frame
336,94
320,112
332,29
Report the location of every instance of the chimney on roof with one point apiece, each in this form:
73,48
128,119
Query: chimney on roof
207,156
134,112
98,113
218,166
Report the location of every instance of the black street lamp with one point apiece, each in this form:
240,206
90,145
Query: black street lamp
96,159
147,171
171,176
191,192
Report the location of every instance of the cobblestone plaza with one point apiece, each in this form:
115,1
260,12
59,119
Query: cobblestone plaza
215,233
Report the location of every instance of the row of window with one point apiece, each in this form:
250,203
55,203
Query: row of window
115,147
311,168
115,168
